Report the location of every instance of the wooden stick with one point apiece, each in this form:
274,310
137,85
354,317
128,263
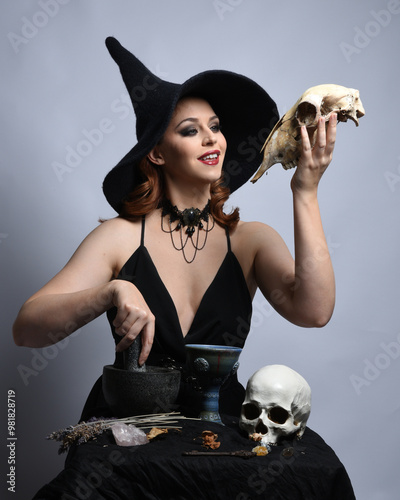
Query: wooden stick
240,454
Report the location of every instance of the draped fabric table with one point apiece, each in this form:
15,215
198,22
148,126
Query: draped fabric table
304,469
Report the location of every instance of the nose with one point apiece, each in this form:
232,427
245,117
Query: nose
209,139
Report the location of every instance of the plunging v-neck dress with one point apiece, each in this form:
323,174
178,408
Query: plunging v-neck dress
103,470
223,318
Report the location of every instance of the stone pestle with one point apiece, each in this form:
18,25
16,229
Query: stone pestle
131,356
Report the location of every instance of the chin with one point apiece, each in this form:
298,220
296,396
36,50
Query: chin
215,176
213,179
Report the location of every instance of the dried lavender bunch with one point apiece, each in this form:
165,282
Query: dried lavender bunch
84,431
80,433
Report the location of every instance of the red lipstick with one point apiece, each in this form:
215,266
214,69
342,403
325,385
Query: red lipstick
211,157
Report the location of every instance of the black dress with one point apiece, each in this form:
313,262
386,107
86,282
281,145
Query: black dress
99,469
223,318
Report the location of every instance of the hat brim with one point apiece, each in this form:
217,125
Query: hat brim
247,115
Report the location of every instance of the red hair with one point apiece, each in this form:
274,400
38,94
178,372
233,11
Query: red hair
148,195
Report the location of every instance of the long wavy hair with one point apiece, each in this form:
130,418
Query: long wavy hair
149,193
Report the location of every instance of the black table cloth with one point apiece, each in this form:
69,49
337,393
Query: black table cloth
304,469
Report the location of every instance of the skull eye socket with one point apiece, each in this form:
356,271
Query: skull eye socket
251,411
278,415
306,113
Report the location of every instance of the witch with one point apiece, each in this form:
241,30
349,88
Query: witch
172,266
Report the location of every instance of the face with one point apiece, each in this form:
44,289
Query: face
193,147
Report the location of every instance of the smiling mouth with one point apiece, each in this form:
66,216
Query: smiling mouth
210,158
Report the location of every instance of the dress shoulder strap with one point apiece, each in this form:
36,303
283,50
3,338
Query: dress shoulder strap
228,240
142,234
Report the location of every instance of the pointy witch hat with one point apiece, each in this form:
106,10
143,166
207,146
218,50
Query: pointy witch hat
246,112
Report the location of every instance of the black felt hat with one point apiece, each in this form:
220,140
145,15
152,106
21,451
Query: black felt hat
246,112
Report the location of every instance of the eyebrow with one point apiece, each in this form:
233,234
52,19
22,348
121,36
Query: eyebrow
195,120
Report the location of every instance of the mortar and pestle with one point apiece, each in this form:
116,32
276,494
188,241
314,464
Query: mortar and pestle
139,390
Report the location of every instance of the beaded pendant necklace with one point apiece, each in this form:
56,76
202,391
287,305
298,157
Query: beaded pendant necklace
188,223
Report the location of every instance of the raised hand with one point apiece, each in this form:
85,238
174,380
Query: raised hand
314,160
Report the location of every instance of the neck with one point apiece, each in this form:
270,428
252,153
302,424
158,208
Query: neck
192,197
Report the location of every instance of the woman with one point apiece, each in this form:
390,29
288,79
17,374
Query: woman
172,267
175,135
302,290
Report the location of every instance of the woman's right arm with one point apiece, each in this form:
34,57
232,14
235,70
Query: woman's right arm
82,291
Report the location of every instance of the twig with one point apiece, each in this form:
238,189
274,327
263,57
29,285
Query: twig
240,454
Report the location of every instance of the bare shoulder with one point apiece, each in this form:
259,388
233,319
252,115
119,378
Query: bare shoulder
116,230
103,250
249,239
252,234
115,239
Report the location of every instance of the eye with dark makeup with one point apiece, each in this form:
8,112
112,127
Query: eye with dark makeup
188,131
191,131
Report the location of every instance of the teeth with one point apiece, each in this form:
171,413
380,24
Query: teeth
213,156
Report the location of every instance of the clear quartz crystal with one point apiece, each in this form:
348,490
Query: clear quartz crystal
128,435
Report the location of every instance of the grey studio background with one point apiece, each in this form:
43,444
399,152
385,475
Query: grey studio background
59,86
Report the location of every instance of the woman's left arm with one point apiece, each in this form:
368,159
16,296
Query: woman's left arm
303,291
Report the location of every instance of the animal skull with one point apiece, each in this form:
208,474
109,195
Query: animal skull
277,404
284,142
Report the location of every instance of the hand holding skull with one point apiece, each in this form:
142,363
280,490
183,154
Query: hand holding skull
313,109
314,159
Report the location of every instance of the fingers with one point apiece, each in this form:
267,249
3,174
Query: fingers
133,317
325,137
305,139
320,142
147,342
127,316
129,322
316,154
331,133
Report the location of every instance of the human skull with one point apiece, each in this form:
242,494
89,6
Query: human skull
277,404
283,145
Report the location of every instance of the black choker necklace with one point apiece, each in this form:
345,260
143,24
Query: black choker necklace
190,218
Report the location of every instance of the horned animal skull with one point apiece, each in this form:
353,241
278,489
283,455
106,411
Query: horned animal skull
283,144
277,404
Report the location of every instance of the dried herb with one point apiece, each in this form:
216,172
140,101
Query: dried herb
84,431
210,440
